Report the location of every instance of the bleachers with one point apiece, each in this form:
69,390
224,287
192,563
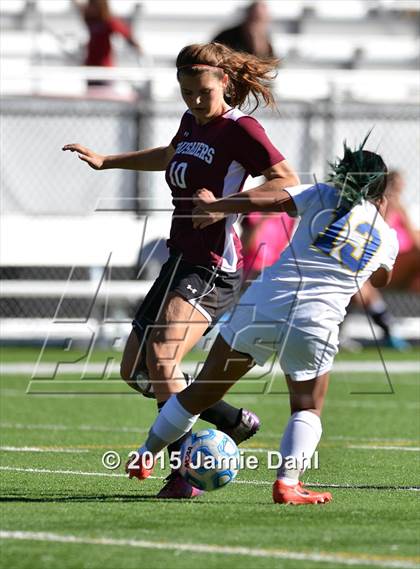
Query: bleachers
348,47
385,32
73,275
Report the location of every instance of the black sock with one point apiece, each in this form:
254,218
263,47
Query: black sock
382,319
222,415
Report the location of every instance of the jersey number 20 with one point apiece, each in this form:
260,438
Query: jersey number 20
353,245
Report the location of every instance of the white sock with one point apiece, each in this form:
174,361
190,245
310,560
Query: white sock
377,306
299,441
172,422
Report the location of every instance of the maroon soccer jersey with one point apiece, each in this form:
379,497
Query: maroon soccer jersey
218,156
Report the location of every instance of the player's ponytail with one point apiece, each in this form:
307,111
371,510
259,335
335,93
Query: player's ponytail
359,175
248,75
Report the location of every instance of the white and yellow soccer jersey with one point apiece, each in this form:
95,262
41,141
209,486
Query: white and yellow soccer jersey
332,253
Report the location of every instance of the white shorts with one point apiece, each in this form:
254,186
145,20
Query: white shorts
303,354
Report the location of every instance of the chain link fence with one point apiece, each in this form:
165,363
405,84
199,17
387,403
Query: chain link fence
39,181
38,178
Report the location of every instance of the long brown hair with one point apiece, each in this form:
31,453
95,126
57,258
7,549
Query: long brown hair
98,10
248,75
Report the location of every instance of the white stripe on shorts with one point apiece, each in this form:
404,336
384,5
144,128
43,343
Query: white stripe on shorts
197,305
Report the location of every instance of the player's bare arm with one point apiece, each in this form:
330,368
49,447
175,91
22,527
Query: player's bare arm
284,172
151,159
381,278
270,196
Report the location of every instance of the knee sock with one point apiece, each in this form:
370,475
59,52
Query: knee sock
175,446
172,423
299,441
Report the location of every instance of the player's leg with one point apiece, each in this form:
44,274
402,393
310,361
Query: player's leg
300,440
239,423
133,368
229,359
212,293
179,328
371,300
133,362
223,367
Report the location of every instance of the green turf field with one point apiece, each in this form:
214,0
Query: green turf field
62,508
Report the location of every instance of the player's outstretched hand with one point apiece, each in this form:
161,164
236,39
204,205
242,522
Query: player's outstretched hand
95,161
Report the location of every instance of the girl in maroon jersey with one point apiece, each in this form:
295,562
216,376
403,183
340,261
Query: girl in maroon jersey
101,26
217,146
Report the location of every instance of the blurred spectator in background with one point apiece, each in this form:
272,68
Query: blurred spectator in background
406,274
101,24
264,237
251,35
371,301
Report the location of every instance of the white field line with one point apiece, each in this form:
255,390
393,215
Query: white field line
337,404
57,427
79,450
244,450
48,369
368,447
375,439
101,428
73,472
361,402
357,402
119,475
349,559
41,449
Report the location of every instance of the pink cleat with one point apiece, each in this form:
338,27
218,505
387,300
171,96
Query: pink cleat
177,488
248,426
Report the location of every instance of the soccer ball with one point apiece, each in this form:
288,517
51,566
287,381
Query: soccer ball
209,460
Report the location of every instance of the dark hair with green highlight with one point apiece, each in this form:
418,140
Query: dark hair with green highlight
359,175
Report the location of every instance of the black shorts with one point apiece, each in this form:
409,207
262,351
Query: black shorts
211,291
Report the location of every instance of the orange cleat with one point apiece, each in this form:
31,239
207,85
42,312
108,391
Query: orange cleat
297,494
138,468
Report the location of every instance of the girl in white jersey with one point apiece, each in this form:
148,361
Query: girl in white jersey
295,309
216,146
